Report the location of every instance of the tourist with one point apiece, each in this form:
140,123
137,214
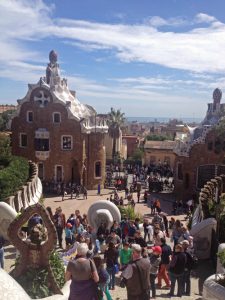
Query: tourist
103,276
60,223
176,270
78,227
125,255
111,258
137,276
138,239
165,260
115,227
155,260
157,235
146,225
84,276
177,232
114,238
69,237
49,210
2,241
131,231
85,194
187,271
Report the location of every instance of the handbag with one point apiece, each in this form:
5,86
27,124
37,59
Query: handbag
99,292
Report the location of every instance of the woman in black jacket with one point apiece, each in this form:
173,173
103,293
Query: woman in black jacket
111,258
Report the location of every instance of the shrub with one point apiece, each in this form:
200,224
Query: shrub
35,281
14,174
129,212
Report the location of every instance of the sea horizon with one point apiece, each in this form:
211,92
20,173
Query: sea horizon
164,119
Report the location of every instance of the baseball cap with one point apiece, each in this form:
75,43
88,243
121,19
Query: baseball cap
157,249
69,225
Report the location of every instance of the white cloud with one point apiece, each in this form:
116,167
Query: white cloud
157,21
204,18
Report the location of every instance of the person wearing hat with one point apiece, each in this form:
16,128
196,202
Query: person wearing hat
155,259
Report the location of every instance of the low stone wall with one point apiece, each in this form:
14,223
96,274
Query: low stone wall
30,193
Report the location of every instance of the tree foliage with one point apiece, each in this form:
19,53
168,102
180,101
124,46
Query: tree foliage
115,121
158,137
4,119
14,174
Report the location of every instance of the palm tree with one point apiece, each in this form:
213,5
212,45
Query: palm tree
116,119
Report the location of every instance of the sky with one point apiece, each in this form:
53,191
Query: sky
156,58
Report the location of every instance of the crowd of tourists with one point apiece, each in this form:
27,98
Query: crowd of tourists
138,253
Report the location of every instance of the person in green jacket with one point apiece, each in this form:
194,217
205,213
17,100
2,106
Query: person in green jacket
125,255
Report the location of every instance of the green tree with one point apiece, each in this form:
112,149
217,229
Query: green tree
158,137
5,148
137,155
4,119
115,121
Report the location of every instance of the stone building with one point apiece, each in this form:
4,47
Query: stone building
63,136
200,157
159,152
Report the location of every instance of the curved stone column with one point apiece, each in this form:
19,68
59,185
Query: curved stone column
212,290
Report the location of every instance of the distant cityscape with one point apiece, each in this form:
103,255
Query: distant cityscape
163,119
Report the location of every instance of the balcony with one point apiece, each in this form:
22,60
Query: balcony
42,155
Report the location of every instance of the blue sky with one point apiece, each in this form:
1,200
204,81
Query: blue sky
158,58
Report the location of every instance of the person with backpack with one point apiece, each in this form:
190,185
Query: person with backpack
186,279
103,276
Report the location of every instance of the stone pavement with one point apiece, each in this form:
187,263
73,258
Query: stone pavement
204,269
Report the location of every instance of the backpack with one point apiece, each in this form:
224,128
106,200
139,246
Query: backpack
192,261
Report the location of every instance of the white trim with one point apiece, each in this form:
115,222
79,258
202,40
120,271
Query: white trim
20,134
53,117
30,111
66,135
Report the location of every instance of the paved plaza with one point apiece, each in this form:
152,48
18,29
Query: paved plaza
70,205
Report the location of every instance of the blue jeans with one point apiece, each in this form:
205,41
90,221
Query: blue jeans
2,258
179,278
112,274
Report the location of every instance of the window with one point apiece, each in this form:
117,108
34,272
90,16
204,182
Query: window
41,144
30,116
23,140
98,169
187,181
59,173
56,117
179,171
66,142
41,171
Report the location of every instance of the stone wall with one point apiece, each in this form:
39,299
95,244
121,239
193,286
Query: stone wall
30,193
198,155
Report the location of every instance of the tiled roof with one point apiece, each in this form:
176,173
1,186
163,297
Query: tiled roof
169,145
